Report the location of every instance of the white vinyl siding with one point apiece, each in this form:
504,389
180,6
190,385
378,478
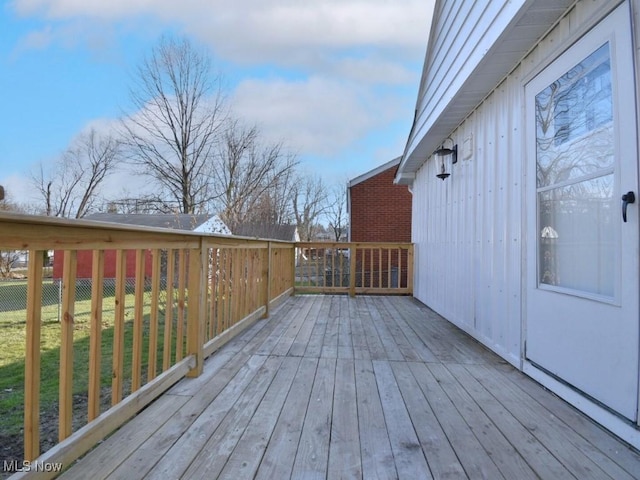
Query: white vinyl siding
468,228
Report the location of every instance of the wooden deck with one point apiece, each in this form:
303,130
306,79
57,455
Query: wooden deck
366,387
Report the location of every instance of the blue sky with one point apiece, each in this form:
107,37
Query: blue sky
336,80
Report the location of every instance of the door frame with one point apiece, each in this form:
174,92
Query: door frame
619,426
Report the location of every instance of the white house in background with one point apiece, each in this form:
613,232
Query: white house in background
178,221
531,243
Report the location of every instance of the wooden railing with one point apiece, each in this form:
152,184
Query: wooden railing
160,302
153,304
354,268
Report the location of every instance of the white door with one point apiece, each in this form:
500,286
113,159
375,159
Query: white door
582,263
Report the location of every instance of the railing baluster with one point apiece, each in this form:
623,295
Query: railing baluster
153,316
32,356
244,286
371,268
223,291
95,341
66,345
212,292
266,276
379,267
236,279
352,270
138,322
118,327
168,310
399,267
182,267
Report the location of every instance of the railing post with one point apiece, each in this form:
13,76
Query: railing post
197,283
352,269
410,270
32,357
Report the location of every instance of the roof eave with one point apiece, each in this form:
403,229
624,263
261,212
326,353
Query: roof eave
427,133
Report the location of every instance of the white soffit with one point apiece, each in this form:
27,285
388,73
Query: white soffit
525,29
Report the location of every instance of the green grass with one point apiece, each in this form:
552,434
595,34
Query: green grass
12,350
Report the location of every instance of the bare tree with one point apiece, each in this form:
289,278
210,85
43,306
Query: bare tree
247,172
136,204
70,187
180,115
337,212
8,258
309,203
274,207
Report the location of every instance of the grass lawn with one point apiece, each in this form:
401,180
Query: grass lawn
12,350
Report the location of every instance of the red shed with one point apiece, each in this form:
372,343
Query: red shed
199,223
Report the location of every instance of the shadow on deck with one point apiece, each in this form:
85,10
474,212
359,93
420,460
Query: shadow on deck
366,387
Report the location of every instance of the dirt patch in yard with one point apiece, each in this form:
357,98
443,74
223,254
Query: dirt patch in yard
12,446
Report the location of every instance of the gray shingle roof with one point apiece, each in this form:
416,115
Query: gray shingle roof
179,221
265,230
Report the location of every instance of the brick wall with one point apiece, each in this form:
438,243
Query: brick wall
380,210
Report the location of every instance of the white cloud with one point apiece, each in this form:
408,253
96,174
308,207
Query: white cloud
38,39
374,70
319,116
286,32
350,66
18,189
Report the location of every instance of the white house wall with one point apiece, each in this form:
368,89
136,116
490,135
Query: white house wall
468,228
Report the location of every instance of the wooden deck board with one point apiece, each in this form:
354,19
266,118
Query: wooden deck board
277,461
365,387
443,461
577,454
407,452
313,449
375,447
344,448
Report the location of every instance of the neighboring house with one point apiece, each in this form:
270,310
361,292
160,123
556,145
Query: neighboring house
195,223
379,211
288,233
176,221
525,245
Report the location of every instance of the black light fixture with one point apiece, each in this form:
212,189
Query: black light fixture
443,153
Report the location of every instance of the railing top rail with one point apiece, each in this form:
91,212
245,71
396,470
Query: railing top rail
355,244
22,232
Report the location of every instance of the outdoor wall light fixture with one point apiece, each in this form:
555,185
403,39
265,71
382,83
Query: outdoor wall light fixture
443,153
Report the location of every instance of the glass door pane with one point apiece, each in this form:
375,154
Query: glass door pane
575,179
